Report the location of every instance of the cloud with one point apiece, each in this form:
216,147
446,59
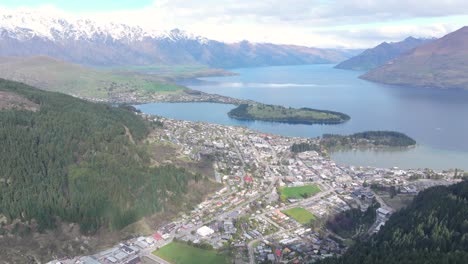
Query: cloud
321,23
317,12
377,10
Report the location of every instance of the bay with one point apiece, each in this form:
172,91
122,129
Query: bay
435,118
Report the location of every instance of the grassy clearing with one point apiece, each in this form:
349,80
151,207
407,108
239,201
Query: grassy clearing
298,192
300,214
398,202
180,253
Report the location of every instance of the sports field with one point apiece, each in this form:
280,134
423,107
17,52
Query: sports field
298,192
181,253
300,214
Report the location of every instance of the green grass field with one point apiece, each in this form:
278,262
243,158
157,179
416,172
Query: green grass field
300,214
298,192
181,253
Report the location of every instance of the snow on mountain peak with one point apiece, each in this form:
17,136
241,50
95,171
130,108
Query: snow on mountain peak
25,24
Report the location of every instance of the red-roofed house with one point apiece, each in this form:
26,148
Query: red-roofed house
248,179
157,236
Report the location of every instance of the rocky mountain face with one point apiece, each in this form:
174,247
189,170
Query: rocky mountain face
442,63
381,54
91,43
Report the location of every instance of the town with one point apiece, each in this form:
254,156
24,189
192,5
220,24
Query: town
182,96
274,203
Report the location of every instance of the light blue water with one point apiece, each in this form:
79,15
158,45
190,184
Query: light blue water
437,119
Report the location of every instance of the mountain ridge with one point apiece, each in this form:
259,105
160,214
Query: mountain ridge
88,42
381,54
439,64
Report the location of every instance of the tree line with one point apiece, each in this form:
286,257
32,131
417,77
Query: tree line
303,147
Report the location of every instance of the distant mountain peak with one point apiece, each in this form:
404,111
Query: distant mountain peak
410,38
439,63
381,54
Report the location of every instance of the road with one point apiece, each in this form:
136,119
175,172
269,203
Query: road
251,251
157,259
149,251
281,229
382,205
236,148
308,200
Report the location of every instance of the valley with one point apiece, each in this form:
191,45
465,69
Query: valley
270,132
250,183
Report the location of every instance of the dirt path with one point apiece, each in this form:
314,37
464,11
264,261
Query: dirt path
129,135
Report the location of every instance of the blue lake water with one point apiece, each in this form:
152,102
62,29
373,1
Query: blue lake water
436,118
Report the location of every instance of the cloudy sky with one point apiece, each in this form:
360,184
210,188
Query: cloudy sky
319,23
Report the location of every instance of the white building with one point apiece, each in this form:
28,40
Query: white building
205,231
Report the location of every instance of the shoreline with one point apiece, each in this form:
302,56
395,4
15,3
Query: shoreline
184,96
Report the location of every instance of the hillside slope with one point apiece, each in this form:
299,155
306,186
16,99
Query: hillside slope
441,64
381,54
59,76
75,161
432,229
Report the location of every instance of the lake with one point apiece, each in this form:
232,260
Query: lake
435,118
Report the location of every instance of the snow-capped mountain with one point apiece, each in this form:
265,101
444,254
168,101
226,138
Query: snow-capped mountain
28,24
30,33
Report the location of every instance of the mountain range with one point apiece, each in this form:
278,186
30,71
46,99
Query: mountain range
442,63
381,54
88,42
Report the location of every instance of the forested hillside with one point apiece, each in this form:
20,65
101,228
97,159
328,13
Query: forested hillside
432,229
79,162
368,138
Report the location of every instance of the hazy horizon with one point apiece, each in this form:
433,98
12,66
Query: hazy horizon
323,24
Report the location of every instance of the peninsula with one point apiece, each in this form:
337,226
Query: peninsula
368,139
275,113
